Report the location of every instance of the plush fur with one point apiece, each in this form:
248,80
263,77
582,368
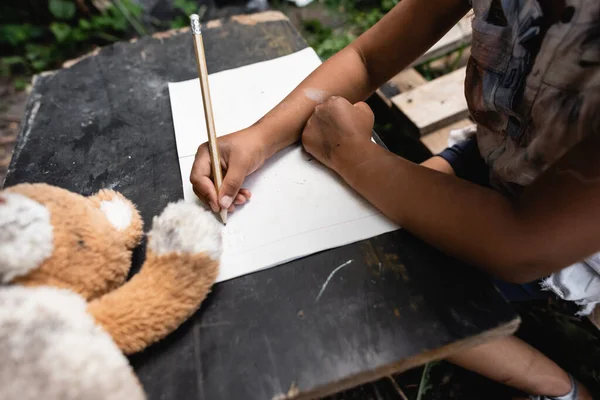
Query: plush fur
52,349
90,255
59,346
181,266
180,226
26,235
156,301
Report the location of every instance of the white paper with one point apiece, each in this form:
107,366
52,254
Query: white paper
298,206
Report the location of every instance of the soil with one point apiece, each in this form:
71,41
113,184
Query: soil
12,107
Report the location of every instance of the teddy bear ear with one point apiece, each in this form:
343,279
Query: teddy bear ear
26,235
121,213
52,349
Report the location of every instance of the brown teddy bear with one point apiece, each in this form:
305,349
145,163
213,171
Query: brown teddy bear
67,315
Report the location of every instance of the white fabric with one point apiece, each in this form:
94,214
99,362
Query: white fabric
579,283
298,206
460,134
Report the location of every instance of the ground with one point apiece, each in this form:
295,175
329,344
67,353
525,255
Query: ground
548,325
12,106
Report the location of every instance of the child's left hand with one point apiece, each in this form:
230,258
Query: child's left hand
338,131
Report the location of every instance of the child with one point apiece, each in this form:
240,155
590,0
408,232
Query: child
533,89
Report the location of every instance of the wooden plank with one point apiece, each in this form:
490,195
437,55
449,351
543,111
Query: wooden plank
402,82
384,97
408,80
437,141
451,61
459,35
435,104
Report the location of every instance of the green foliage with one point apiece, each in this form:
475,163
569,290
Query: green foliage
58,30
62,9
325,40
358,17
65,33
186,7
20,83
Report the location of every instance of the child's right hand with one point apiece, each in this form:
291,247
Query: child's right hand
241,154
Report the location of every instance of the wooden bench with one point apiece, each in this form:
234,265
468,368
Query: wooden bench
438,106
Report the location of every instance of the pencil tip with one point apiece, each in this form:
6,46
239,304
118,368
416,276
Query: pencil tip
224,216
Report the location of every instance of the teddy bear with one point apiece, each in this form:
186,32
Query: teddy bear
69,315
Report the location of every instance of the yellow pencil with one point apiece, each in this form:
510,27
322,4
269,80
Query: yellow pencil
208,112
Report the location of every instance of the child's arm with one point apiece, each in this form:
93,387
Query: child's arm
354,73
554,224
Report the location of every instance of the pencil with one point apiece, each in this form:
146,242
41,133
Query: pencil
215,160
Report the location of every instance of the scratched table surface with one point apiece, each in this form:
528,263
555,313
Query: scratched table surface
311,328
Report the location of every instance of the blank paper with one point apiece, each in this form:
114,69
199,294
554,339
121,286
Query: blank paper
298,206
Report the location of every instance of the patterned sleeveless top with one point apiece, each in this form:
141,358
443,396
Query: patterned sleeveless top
532,83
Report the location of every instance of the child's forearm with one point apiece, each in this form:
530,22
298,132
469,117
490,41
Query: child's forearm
357,71
453,215
517,242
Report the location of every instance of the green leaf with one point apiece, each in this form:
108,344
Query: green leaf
85,24
99,22
115,20
36,52
37,32
62,9
178,22
187,6
21,84
39,65
79,35
15,34
60,30
135,9
12,60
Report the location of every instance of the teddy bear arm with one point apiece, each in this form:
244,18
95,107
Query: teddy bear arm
156,301
182,263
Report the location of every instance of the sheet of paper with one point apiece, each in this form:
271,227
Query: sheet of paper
298,206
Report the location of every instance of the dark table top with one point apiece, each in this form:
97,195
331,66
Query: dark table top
105,121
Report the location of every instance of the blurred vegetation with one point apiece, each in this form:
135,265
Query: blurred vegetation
358,16
37,35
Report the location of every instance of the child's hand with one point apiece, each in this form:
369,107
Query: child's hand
336,130
241,154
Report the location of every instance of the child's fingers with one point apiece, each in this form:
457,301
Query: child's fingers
239,199
207,197
246,193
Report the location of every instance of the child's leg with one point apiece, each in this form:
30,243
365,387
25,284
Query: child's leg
516,364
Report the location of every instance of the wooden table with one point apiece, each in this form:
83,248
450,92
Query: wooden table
105,121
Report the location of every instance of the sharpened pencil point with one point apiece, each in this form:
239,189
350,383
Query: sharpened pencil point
224,216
